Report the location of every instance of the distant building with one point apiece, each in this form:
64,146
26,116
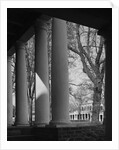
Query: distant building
85,112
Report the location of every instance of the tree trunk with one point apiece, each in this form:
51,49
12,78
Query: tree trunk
96,103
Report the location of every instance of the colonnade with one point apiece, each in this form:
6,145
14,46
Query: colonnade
81,116
59,79
86,117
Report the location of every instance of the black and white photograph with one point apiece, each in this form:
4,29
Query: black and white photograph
58,74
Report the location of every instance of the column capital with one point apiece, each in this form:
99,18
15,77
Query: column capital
41,24
20,44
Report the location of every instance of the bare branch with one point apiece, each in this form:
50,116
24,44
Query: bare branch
103,61
88,38
99,51
74,50
82,51
103,69
75,84
85,67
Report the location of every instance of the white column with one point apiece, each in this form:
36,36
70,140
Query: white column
76,117
60,88
42,78
9,93
90,117
87,116
21,86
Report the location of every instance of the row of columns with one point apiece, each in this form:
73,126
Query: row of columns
59,79
86,117
81,117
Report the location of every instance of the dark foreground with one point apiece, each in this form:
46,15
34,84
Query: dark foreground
59,133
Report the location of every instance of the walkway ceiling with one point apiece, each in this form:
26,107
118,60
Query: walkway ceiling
21,19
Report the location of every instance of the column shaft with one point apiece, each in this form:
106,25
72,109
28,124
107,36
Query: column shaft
42,77
90,117
21,86
108,86
87,117
9,93
59,72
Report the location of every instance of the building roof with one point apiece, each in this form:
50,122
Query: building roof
21,19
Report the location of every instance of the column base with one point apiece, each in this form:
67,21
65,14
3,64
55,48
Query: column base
58,123
20,124
41,124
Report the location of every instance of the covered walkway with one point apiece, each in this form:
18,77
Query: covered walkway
22,24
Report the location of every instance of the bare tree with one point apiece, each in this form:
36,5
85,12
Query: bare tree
83,90
13,64
30,60
91,50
